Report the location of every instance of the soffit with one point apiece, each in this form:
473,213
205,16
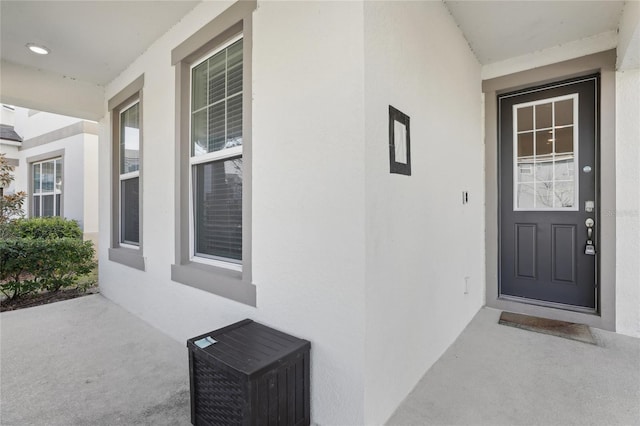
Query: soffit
499,30
91,41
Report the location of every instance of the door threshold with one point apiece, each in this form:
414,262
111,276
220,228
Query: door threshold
554,305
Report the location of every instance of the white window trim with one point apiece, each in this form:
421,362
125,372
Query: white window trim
40,193
515,108
222,154
126,176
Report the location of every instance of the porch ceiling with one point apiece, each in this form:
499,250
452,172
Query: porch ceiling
499,30
91,41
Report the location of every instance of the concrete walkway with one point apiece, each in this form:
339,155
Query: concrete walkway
87,361
499,375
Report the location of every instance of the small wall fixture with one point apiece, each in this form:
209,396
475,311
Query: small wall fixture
36,48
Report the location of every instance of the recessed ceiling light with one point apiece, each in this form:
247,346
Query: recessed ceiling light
36,48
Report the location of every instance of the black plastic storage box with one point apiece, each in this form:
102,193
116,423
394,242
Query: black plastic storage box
249,374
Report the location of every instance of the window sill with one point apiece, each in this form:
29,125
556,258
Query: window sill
219,281
128,257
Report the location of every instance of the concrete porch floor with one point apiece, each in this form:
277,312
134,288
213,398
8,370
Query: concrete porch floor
89,362
499,375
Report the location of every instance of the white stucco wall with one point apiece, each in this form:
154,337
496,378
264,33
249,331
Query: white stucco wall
628,202
308,200
30,124
421,240
73,174
7,115
90,182
11,152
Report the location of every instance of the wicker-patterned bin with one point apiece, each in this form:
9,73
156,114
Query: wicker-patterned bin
249,374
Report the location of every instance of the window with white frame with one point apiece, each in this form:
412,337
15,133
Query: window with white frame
216,156
130,174
47,188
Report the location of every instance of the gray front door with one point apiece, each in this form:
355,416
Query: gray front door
548,179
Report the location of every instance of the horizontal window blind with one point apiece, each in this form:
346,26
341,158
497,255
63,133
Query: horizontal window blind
216,127
218,208
130,139
130,214
216,102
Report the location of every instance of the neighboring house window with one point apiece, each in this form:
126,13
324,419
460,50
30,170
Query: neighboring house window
130,174
127,176
47,188
216,156
213,144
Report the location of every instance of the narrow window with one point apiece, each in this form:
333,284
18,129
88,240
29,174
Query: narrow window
130,175
216,142
127,176
47,188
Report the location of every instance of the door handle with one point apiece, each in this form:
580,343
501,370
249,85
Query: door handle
589,224
590,248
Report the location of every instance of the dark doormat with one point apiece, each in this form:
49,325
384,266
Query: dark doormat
568,330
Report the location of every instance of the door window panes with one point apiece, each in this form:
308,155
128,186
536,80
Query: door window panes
545,153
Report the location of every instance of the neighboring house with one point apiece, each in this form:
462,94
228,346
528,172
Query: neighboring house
56,164
10,142
245,170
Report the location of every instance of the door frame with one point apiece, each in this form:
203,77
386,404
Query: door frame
603,63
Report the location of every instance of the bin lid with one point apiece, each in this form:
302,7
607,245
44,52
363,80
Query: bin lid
248,346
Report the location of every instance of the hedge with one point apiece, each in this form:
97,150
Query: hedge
43,254
46,227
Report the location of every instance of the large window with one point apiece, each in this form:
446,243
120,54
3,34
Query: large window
47,188
130,174
216,156
213,143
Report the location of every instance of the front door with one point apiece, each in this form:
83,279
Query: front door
548,194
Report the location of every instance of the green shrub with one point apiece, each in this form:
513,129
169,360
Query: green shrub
47,227
64,260
44,254
16,263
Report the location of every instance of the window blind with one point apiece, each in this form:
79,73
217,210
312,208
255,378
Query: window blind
130,214
216,126
218,208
